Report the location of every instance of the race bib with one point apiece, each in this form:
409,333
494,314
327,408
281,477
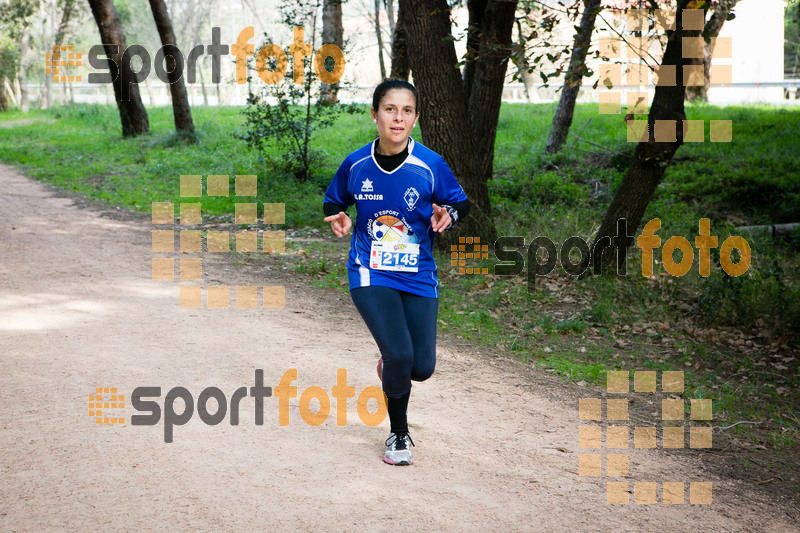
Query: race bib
398,257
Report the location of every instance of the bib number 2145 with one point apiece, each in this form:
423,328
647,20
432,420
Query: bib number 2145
397,257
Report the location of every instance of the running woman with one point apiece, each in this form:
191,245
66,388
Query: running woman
404,193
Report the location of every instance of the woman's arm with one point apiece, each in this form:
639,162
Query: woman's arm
331,208
457,211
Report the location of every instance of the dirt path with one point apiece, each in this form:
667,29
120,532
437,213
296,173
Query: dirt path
78,310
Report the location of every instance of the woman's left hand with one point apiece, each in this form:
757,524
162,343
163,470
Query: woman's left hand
440,219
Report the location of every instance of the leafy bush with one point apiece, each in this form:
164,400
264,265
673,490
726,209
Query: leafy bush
278,118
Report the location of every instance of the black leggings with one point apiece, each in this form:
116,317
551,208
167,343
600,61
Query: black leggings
404,327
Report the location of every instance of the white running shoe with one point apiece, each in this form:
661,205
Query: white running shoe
398,451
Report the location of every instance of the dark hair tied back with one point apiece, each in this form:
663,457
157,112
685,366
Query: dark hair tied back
387,85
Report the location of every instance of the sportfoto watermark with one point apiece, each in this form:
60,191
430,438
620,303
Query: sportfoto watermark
604,437
513,262
199,240
140,401
100,55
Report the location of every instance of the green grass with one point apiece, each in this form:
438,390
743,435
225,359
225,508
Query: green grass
575,328
80,149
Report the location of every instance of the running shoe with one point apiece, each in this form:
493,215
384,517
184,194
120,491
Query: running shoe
398,452
380,369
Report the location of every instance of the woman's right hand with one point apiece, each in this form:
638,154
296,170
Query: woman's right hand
340,224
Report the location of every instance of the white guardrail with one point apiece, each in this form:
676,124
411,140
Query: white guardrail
157,93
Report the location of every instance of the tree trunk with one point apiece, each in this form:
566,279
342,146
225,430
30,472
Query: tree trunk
444,118
58,40
332,33
3,96
477,10
400,66
44,92
181,111
24,46
45,88
131,111
10,93
710,31
486,92
16,91
203,86
69,8
521,61
389,5
379,37
149,88
573,78
651,159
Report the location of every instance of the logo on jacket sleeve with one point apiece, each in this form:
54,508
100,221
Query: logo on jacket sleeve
411,196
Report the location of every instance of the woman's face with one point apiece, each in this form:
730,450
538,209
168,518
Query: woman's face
396,116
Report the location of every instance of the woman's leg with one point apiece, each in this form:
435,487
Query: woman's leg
421,313
384,314
404,328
